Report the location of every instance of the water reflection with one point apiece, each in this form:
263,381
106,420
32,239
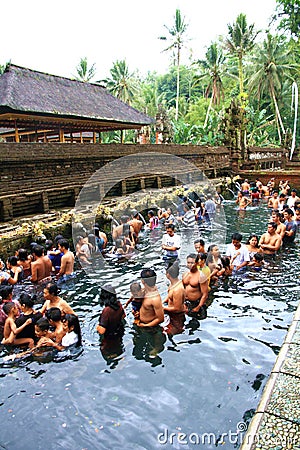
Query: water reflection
148,343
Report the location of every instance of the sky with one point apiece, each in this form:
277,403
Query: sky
53,36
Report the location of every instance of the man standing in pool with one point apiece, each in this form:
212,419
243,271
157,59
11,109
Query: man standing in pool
238,253
151,312
170,244
270,242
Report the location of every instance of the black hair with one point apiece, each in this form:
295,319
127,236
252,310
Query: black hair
273,224
5,291
259,257
22,254
236,237
192,255
43,324
209,255
64,243
289,212
27,300
149,277
200,257
171,226
54,314
12,260
73,321
7,307
173,269
58,238
108,297
49,244
38,250
252,236
52,288
199,241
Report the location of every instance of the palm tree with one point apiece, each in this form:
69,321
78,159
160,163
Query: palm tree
239,42
271,67
213,72
122,84
176,32
84,72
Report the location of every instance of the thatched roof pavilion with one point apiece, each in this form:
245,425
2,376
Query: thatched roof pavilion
36,106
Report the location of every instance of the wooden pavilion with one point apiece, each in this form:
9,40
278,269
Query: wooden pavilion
38,107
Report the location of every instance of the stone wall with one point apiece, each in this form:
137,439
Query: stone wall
36,177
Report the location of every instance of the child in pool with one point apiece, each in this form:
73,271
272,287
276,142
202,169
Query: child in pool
73,331
10,328
55,319
257,262
136,299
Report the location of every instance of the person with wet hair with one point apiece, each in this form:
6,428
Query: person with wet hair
112,315
238,253
270,242
41,267
151,312
52,299
24,261
27,312
196,284
55,319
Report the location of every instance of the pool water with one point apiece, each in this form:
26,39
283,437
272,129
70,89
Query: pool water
198,388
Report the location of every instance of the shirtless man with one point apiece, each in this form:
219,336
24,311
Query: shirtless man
270,241
176,292
242,201
274,200
41,267
151,312
118,231
175,301
276,216
199,245
136,223
245,187
67,261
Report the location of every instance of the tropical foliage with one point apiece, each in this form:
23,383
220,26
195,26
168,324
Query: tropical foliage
84,72
246,73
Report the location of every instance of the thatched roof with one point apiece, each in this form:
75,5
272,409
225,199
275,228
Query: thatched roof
26,95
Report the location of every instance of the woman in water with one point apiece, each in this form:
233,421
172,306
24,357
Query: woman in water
252,245
53,300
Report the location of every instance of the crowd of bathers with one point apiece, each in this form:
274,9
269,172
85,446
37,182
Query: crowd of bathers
51,264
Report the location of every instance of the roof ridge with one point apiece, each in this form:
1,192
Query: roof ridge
9,65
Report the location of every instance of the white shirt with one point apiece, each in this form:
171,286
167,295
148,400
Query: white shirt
69,339
242,254
171,241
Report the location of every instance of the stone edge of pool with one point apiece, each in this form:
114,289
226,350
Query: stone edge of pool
276,423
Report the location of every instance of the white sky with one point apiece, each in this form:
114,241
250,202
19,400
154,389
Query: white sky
51,36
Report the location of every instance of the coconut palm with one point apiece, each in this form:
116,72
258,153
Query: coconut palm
213,71
84,72
271,67
176,32
240,41
122,84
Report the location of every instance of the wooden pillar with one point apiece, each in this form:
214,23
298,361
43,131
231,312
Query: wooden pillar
142,182
17,137
99,138
123,187
94,137
45,202
158,180
81,139
61,135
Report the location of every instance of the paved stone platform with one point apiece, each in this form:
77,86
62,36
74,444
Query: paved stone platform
276,423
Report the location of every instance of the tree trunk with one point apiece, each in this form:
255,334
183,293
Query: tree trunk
177,86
